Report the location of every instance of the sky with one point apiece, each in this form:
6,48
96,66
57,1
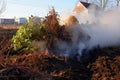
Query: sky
25,8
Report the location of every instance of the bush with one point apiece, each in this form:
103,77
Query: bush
47,30
26,34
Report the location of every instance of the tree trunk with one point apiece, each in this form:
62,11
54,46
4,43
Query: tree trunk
118,1
103,3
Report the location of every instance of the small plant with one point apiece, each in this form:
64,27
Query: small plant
26,34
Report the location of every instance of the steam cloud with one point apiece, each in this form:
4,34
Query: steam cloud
103,27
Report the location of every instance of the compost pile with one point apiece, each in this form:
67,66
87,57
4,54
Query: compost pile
97,64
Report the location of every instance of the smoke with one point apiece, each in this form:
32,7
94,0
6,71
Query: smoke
104,29
97,28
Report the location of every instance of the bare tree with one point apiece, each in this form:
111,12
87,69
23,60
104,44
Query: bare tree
105,4
102,3
87,1
2,6
118,2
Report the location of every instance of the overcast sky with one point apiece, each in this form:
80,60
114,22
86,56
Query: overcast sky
25,8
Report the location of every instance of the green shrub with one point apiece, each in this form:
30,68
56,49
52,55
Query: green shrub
26,34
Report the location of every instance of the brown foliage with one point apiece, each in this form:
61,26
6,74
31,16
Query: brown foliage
54,30
53,26
51,21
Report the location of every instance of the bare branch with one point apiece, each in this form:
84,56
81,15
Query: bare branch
118,2
2,6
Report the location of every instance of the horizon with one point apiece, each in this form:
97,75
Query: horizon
25,8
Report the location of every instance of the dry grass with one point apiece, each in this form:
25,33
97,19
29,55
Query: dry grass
7,31
12,27
46,66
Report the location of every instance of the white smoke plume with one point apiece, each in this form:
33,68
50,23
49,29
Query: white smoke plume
103,28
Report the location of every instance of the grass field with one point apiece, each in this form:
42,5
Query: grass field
7,31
